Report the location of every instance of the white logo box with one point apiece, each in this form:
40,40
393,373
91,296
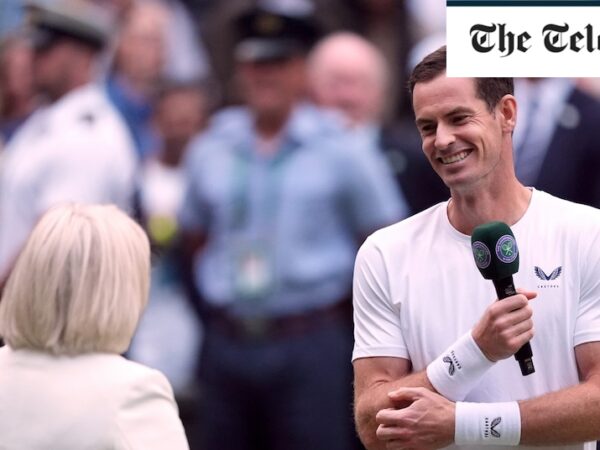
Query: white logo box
550,38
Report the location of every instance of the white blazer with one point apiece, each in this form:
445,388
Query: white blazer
88,402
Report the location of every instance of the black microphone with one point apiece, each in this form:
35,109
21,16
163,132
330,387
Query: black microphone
497,258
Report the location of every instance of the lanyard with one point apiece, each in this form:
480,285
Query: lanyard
256,195
246,173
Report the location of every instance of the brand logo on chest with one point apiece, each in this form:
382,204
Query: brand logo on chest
548,281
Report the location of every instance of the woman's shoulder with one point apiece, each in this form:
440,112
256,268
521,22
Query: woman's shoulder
106,369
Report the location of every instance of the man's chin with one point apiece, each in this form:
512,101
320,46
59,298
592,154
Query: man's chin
271,109
46,94
455,181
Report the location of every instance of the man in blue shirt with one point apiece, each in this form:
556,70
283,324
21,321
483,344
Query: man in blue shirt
278,201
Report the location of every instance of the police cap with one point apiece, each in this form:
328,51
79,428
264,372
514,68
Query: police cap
265,35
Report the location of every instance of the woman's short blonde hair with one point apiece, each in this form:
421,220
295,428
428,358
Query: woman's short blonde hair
79,285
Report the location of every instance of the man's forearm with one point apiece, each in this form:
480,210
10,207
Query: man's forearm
375,398
567,416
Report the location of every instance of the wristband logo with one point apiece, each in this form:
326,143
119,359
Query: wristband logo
453,362
482,254
490,427
506,249
451,368
493,426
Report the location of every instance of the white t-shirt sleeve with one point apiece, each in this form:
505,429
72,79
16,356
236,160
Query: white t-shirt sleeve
587,325
377,330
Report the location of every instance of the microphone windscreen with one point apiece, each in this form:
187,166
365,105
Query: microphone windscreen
495,250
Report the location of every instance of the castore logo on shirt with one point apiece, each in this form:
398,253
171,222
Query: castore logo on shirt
547,278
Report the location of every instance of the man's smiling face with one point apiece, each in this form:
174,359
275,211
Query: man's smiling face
461,137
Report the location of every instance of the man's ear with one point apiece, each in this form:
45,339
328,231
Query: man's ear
507,107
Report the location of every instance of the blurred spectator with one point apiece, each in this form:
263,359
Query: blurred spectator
74,149
158,41
16,84
137,70
386,24
348,73
217,26
382,21
556,139
181,113
69,310
186,58
278,200
169,335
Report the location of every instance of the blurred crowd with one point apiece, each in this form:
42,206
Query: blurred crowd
258,142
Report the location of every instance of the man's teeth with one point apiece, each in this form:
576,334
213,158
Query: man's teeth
454,158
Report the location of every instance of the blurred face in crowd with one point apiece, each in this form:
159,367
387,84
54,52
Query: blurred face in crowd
270,88
348,73
140,52
180,115
16,75
53,68
463,140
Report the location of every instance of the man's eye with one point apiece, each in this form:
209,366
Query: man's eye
459,119
427,129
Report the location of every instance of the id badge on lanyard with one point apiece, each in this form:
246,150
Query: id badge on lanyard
253,271
253,249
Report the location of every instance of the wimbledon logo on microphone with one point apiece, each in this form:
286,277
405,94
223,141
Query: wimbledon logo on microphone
506,249
482,254
523,38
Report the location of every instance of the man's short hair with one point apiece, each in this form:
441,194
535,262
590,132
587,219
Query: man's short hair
79,285
490,90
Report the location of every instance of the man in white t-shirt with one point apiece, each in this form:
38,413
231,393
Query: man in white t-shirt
433,350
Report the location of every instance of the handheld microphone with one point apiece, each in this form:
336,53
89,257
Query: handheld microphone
497,258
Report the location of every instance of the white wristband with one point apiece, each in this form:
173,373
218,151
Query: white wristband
487,423
458,369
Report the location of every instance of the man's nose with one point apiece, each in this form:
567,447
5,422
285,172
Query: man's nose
444,136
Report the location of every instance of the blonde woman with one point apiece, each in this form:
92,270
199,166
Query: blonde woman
69,309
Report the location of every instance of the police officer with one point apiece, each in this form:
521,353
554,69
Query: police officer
76,147
278,200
